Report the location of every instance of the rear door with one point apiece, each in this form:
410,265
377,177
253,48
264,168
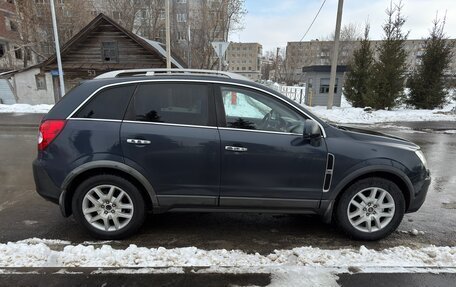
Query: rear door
169,133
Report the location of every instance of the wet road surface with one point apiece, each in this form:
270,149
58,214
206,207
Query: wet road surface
24,214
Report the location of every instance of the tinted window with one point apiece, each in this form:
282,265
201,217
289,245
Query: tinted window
175,103
107,104
247,109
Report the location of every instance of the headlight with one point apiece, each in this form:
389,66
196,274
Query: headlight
421,156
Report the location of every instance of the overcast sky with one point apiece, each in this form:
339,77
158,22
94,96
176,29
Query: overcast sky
273,23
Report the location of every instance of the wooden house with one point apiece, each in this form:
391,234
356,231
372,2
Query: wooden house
102,46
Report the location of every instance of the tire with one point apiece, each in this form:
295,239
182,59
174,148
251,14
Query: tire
353,213
113,204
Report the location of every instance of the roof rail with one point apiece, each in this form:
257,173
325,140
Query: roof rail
154,72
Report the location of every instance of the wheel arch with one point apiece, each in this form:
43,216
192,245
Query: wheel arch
79,174
386,172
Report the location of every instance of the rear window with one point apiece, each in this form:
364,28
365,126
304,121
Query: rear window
110,104
177,103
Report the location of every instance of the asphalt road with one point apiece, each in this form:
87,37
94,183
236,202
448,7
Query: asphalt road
24,214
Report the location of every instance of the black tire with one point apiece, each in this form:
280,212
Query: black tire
137,200
341,217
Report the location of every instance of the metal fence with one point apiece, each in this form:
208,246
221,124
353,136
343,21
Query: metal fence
297,94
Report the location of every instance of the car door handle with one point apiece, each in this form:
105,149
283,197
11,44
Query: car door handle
138,141
235,148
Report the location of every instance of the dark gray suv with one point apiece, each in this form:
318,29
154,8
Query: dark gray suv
137,141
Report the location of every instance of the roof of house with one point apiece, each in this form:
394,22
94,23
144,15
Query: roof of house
152,46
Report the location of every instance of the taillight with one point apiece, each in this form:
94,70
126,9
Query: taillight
48,131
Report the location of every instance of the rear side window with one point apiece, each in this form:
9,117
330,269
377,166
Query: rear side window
176,103
110,104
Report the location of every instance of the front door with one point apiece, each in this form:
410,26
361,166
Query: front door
266,162
169,133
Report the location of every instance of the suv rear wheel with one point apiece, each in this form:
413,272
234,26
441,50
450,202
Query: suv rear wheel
370,209
109,206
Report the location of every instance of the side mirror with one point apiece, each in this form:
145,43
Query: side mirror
311,130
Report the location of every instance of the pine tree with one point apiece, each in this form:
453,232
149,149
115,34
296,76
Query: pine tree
357,85
390,69
427,83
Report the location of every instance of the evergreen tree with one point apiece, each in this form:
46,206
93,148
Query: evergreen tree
427,82
390,69
356,87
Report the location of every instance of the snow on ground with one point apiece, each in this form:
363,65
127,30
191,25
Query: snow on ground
40,253
302,266
25,108
350,115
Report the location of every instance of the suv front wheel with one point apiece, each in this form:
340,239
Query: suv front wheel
109,206
370,209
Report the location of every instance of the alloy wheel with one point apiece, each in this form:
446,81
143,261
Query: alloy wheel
107,207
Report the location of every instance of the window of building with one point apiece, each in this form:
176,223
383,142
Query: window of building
181,17
2,50
40,80
176,103
181,1
18,52
161,14
324,85
108,104
13,25
143,13
243,68
181,36
109,52
39,1
116,15
162,33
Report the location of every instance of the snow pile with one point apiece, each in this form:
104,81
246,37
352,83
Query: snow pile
39,254
25,108
350,115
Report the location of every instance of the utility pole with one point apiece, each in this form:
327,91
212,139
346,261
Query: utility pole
168,36
57,50
189,46
276,72
332,79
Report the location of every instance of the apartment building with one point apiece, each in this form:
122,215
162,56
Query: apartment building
245,59
315,52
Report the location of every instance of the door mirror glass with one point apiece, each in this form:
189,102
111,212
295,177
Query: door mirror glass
311,129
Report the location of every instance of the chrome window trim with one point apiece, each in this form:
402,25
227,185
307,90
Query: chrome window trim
169,124
259,131
196,81
91,119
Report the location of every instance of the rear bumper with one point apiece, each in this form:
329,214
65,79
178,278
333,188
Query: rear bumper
44,184
420,196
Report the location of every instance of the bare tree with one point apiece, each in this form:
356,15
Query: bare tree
213,21
35,25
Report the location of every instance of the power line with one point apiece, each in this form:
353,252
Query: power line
322,4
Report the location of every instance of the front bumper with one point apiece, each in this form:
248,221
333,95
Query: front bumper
44,184
420,196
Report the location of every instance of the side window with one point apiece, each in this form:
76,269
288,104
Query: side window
176,103
110,103
247,109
